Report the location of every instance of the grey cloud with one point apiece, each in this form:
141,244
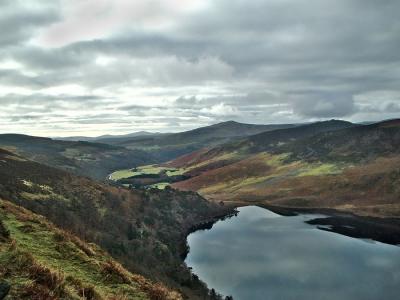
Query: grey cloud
42,99
50,59
18,19
392,107
322,105
254,61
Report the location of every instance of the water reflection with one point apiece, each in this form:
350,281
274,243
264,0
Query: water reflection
261,255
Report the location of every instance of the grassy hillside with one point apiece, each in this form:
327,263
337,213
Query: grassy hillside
170,146
144,230
83,158
328,164
40,261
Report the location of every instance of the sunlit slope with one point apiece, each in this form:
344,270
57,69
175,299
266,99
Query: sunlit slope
354,168
40,261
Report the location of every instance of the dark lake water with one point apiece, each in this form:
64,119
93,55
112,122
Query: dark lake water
262,255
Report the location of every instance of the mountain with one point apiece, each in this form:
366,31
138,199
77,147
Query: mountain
332,164
84,158
266,141
356,144
40,261
117,139
170,146
108,138
144,230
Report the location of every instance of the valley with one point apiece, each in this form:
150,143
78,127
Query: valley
332,164
132,215
199,150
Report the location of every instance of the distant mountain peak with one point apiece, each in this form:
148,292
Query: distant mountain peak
334,121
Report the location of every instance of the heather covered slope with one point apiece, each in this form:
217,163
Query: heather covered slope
355,168
40,261
356,144
170,146
144,230
276,141
83,158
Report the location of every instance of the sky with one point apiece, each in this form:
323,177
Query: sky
92,67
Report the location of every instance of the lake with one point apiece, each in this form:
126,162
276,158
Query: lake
261,255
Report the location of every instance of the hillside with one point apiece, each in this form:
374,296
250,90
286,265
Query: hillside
170,146
329,164
40,261
356,144
207,159
110,139
144,230
271,141
83,158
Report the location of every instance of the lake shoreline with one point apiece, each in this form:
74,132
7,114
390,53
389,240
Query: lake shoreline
381,229
206,225
274,251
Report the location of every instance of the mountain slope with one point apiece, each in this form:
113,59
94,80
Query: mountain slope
39,261
173,145
271,141
359,143
89,159
144,230
353,168
110,139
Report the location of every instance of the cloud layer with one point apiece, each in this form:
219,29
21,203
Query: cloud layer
94,67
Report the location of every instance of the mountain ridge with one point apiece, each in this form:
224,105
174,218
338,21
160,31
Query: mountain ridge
351,167
173,145
95,160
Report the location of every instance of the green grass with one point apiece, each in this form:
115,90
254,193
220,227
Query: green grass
160,185
175,172
143,170
76,263
321,169
274,160
121,174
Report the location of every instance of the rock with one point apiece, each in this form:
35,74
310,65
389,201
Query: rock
4,289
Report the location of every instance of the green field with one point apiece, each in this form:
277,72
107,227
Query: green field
160,185
147,170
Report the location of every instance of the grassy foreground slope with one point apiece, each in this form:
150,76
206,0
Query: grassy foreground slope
144,230
40,261
83,158
352,168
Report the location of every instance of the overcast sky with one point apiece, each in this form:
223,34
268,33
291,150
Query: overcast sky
90,67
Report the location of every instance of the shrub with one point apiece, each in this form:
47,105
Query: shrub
114,272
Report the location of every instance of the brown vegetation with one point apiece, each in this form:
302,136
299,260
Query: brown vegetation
144,230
